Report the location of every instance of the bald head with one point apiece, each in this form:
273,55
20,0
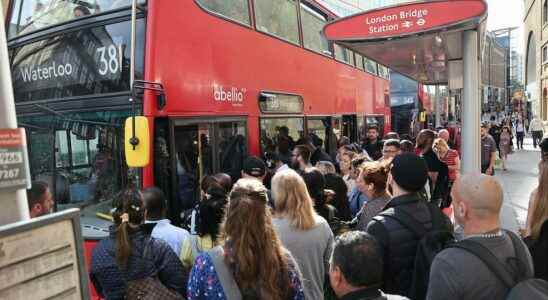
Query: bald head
482,194
444,134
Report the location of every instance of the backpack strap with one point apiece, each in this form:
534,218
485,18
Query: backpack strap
488,258
230,287
521,255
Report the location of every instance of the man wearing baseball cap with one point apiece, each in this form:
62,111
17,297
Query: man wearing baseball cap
254,167
407,178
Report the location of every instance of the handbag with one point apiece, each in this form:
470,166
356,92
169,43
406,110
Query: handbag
149,288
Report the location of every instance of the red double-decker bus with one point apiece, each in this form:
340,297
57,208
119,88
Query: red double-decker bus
217,80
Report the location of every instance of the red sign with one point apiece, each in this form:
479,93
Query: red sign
405,19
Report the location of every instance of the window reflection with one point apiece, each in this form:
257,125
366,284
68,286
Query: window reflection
31,15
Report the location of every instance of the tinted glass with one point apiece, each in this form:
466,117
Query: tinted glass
278,17
280,135
370,66
359,62
31,15
280,103
236,10
312,23
88,61
321,132
342,54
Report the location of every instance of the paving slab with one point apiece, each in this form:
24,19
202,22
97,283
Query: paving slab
518,182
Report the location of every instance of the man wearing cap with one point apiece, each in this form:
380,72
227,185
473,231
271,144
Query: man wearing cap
254,167
407,177
488,151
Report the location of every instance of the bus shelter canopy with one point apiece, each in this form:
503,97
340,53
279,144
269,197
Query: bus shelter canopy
422,40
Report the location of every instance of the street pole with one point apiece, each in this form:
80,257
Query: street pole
471,109
437,98
14,202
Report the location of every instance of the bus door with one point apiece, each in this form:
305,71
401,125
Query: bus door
202,147
322,133
349,127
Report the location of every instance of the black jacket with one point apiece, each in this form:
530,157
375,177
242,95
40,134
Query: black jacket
373,149
539,252
319,155
399,244
110,281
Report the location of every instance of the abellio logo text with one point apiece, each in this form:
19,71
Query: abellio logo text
231,94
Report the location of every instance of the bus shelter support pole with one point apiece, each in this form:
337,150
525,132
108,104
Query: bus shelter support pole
471,140
438,106
14,202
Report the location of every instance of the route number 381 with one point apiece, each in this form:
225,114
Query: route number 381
110,59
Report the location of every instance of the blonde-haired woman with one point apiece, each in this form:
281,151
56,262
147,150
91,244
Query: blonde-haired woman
537,224
252,264
448,156
302,231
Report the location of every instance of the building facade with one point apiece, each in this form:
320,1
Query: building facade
494,79
536,58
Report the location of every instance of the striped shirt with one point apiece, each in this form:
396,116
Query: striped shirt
450,160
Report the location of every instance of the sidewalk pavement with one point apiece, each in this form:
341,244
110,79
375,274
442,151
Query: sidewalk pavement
518,182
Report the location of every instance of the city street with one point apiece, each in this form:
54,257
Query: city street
518,182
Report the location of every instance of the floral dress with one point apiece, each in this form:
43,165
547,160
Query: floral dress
204,284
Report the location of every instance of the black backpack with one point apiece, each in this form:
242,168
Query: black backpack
520,286
431,242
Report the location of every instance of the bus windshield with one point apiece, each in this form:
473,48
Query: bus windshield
31,15
80,157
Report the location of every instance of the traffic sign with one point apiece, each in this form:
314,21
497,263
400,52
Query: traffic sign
14,169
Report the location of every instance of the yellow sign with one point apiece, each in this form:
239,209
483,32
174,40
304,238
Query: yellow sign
137,142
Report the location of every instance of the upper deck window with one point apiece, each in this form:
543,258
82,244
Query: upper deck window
384,72
279,18
343,54
370,66
313,23
236,10
31,15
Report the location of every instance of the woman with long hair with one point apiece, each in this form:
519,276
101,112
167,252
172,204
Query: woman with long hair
536,231
301,230
252,264
372,182
121,258
448,156
210,212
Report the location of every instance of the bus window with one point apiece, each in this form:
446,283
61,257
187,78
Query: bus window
30,15
375,121
313,22
359,62
342,54
362,131
281,135
236,10
79,156
278,17
370,66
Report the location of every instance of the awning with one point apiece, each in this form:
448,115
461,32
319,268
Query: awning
422,40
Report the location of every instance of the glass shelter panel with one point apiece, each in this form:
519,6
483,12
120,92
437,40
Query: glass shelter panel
279,18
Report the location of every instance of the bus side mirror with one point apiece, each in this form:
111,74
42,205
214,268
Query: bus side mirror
137,142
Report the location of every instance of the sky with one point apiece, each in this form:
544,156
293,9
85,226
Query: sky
506,13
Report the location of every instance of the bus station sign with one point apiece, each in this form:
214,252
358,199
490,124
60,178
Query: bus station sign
14,170
405,20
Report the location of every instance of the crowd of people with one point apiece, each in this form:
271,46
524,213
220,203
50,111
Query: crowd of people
369,222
